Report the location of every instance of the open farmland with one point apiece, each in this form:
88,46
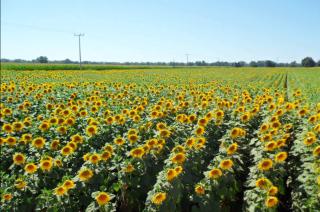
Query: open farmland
161,139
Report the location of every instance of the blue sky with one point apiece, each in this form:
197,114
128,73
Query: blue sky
161,30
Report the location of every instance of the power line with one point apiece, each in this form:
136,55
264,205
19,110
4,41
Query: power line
79,35
187,55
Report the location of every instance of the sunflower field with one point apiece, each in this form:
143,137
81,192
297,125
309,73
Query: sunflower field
179,139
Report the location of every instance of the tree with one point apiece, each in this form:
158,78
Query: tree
239,64
308,62
318,63
269,63
42,59
67,61
253,64
293,64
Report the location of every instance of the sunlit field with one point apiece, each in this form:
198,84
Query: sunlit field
160,139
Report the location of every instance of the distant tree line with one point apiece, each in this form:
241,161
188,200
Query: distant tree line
305,62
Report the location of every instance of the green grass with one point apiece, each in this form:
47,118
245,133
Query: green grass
51,66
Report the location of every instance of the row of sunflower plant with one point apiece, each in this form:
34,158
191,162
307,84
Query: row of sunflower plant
306,165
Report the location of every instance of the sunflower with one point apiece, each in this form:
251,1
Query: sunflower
54,144
69,121
11,141
66,150
77,138
44,126
190,142
73,145
38,142
226,164
275,124
106,155
316,151
129,168
264,127
62,130
60,191
235,132
219,114
18,126
309,140
280,157
94,158
86,156
192,118
271,202
171,174
119,141
46,165
215,173
161,126
302,112
69,184
199,130
7,128
232,148
137,152
91,130
26,137
85,174
245,117
19,158
108,148
178,158
199,189
102,198
164,133
273,191
178,169
158,198
133,138
58,163
265,164
7,196
109,120
30,168
270,146
201,141
53,120
20,184
178,149
263,183
203,122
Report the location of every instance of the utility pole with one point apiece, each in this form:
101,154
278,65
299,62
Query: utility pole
187,55
79,35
